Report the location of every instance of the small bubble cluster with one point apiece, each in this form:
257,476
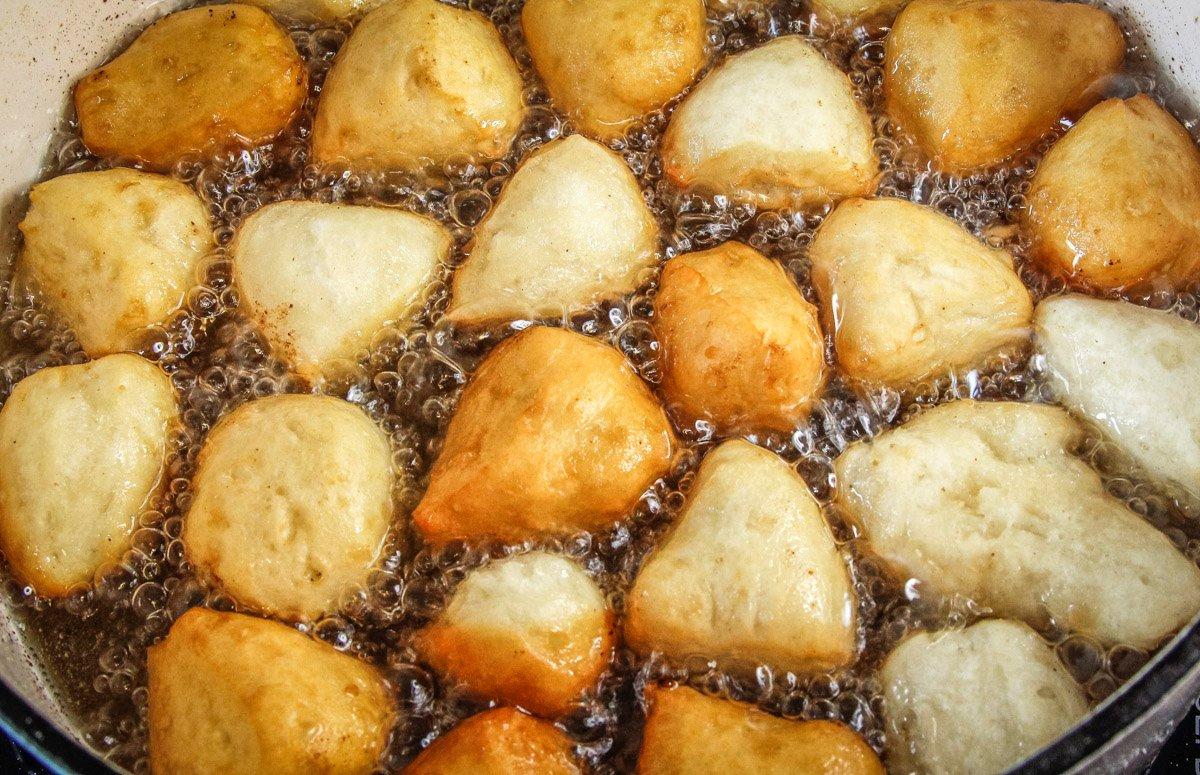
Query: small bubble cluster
93,643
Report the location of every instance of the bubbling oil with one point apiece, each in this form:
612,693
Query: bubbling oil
93,643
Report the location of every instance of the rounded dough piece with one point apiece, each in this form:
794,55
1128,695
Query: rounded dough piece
570,229
749,574
987,501
554,434
532,630
292,504
501,741
82,450
688,732
778,126
741,347
239,695
420,82
113,252
198,81
1130,372
607,63
910,294
1116,202
975,82
980,699
322,279
322,12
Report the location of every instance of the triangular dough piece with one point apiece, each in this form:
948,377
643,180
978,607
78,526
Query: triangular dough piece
554,434
570,229
321,279
976,81
750,572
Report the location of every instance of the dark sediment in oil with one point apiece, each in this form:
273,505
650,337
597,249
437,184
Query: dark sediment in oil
93,644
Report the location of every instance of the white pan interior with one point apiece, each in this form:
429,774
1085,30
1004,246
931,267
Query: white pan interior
50,43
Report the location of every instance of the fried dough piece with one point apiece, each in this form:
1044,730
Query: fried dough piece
419,83
571,228
607,63
532,630
199,81
501,741
977,700
910,294
688,733
234,694
322,279
777,126
293,501
82,452
975,82
555,433
113,252
748,573
322,12
1130,372
1116,202
741,347
985,500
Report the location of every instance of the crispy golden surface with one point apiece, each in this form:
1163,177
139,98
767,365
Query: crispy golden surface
554,433
195,82
977,81
501,741
741,347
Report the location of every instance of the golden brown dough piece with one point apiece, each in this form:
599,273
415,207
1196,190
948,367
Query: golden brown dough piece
532,630
977,81
238,695
418,83
778,126
1116,202
609,62
910,294
502,741
748,574
293,501
688,733
113,252
82,452
198,81
555,433
741,347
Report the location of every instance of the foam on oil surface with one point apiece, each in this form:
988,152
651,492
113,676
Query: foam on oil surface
93,644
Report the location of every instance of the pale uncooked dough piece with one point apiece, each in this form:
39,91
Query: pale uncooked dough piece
609,62
910,294
239,695
1130,371
322,279
778,126
688,732
1116,201
986,500
316,11
197,81
554,434
419,83
82,450
570,229
741,346
292,504
501,741
748,574
977,81
113,252
532,630
855,11
977,700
